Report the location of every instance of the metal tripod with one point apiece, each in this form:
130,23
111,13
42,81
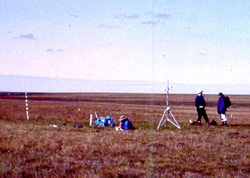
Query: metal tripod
166,114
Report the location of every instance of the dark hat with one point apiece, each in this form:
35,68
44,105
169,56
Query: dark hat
221,94
200,91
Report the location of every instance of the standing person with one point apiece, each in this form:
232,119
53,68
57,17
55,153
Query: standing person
200,105
222,108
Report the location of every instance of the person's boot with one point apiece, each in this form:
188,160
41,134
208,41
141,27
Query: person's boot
225,123
222,123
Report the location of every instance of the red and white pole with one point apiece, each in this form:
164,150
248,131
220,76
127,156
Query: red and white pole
27,106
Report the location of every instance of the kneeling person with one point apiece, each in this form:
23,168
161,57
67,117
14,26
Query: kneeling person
125,124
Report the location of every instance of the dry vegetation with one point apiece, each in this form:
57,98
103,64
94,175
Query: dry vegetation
34,148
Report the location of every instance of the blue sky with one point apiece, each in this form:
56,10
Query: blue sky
184,41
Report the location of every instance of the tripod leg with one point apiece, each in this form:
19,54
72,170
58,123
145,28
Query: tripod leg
166,112
160,123
176,123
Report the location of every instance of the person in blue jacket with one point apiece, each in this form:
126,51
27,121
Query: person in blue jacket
125,124
221,108
200,106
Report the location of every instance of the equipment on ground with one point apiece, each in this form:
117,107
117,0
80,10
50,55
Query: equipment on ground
166,114
103,121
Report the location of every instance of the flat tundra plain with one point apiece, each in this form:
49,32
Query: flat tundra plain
48,144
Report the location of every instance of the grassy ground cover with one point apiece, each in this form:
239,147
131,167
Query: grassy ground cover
34,148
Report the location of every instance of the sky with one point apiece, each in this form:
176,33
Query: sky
183,41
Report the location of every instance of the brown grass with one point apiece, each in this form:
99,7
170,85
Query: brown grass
34,148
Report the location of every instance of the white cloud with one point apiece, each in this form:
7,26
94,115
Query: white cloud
54,50
162,15
149,23
27,36
131,16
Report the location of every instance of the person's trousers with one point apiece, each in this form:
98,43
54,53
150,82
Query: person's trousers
223,117
202,112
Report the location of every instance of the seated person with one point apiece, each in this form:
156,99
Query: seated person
125,124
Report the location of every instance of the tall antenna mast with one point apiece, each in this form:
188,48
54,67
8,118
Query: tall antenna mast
167,90
167,94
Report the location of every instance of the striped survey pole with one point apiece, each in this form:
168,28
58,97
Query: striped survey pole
27,106
90,120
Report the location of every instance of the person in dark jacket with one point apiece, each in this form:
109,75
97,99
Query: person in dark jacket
125,124
221,108
200,106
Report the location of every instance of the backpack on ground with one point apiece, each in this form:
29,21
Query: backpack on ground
104,121
227,102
